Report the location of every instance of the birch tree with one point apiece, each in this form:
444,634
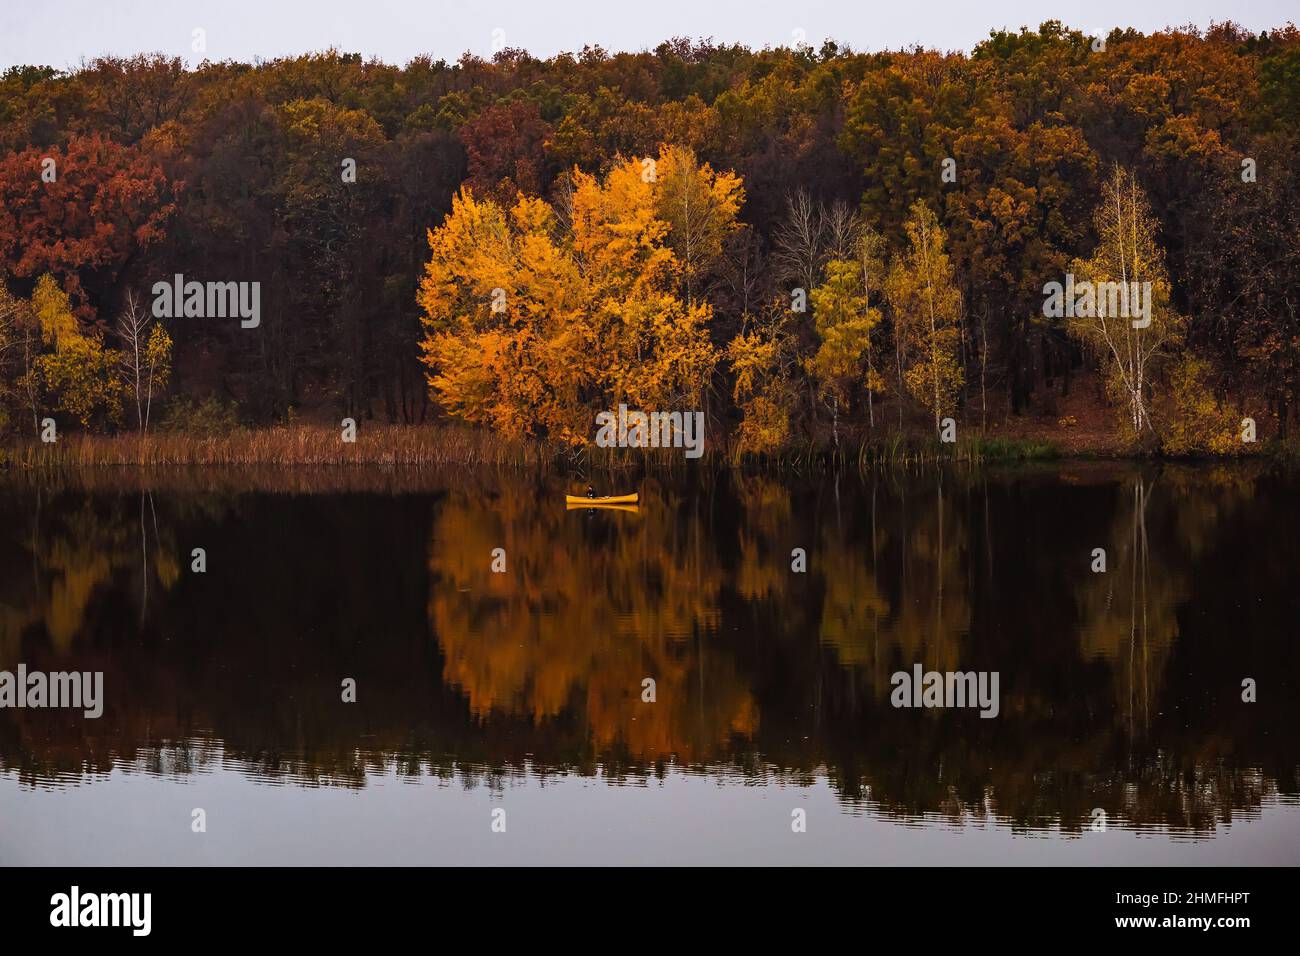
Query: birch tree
1127,253
841,227
145,359
799,241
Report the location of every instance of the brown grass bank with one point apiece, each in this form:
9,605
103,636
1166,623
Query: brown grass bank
281,446
451,445
456,446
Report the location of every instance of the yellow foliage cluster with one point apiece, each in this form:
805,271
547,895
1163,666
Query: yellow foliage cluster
536,316
763,388
80,371
845,319
56,363
923,293
1195,422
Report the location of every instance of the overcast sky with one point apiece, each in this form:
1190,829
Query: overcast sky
61,32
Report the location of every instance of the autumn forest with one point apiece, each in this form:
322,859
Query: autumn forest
815,247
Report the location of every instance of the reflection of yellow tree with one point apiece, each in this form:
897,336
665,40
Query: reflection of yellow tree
577,624
927,620
868,630
855,614
933,613
77,555
1132,603
14,619
77,552
77,571
1129,614
763,571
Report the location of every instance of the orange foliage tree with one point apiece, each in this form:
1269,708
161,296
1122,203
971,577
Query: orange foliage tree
536,316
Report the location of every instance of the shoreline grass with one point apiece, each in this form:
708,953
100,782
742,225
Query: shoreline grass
279,446
461,446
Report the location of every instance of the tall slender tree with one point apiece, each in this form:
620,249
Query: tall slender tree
926,304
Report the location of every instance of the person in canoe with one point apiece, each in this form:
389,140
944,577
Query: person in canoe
591,492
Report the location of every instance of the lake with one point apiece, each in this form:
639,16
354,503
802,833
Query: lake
657,685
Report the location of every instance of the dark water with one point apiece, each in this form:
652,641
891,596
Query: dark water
1120,692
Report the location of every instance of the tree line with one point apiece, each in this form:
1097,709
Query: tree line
809,244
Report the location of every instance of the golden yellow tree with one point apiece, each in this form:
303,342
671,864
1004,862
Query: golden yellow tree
532,319
652,346
504,342
844,319
79,371
870,249
760,361
1194,421
700,207
922,291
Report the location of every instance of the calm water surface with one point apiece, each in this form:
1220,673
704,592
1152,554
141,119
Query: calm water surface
1120,692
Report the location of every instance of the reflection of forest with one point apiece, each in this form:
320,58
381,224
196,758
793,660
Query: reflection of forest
1119,690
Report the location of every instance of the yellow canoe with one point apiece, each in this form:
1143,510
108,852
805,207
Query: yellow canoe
581,501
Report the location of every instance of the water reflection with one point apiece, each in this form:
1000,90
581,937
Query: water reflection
1120,690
